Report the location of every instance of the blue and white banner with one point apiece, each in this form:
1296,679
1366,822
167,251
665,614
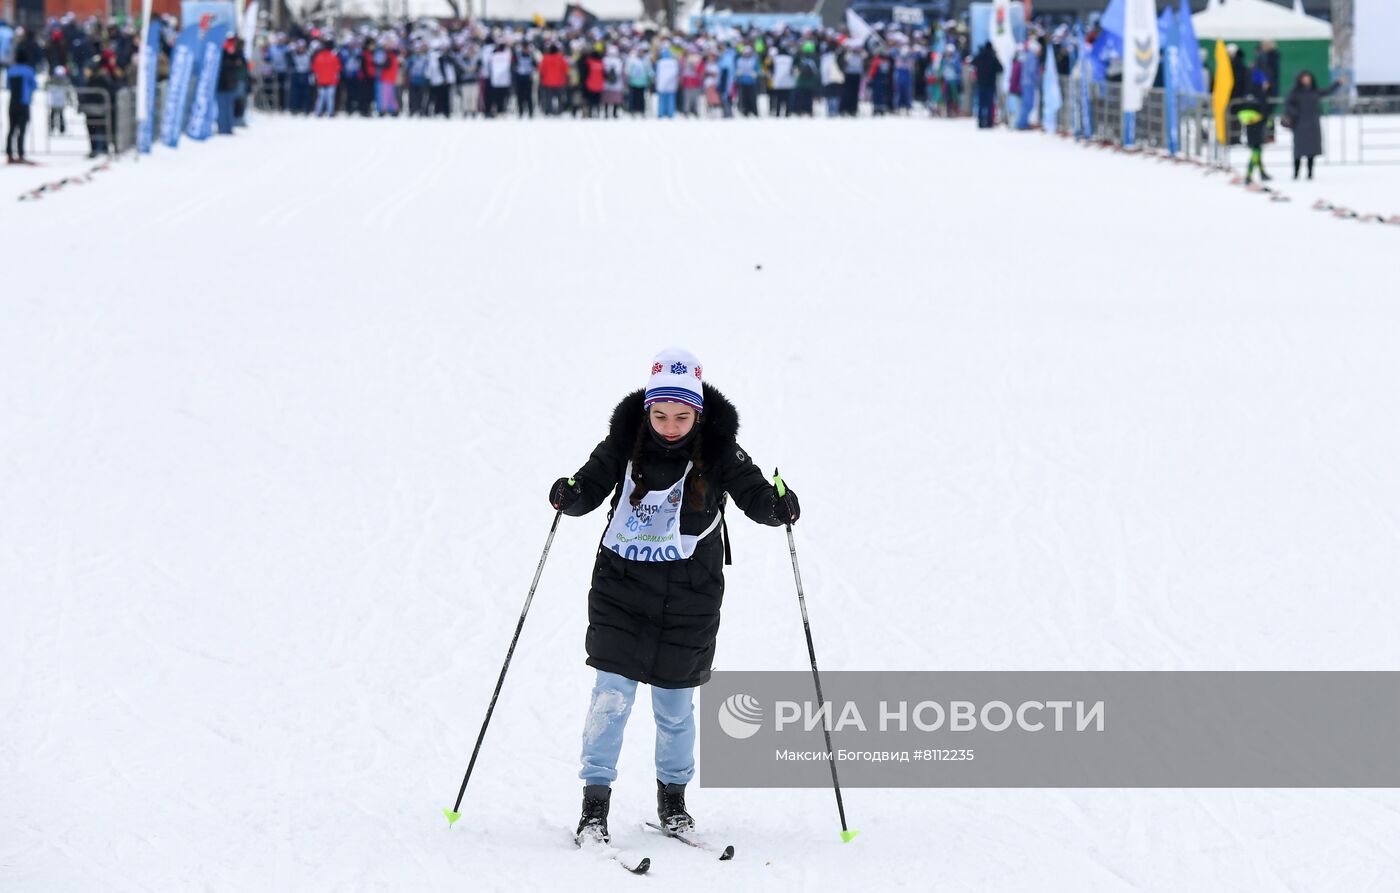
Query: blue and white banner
177,90
150,60
1051,98
1141,51
203,109
1171,76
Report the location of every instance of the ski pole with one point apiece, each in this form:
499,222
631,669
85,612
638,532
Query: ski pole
452,814
846,834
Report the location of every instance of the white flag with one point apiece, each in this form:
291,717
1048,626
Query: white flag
1141,52
1003,38
250,28
860,31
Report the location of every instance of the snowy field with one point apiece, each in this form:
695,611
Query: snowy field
279,414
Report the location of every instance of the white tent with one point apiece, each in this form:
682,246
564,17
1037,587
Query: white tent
1257,20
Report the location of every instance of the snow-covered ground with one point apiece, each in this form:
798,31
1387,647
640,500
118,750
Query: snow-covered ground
280,413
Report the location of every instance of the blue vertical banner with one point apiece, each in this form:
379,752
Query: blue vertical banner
1171,77
150,60
1193,71
177,89
1050,97
202,110
1086,74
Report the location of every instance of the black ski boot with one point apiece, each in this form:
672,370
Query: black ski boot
593,825
670,807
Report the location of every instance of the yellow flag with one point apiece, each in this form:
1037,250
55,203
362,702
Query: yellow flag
539,20
1224,86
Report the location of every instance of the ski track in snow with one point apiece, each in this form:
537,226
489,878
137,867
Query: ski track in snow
274,500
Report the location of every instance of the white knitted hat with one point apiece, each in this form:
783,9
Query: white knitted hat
675,378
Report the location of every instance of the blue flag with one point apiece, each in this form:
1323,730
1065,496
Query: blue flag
150,59
1171,76
1050,92
1193,72
1109,43
182,62
202,110
1085,68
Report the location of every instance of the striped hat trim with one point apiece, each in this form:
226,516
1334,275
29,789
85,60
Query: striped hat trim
673,395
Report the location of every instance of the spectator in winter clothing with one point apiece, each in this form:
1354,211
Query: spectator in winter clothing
100,112
746,77
554,80
442,79
22,84
499,80
951,68
1030,85
724,80
594,80
326,67
903,62
807,79
667,463
523,77
782,83
881,78
1302,111
417,66
59,88
852,70
278,59
1253,115
692,84
668,81
638,79
299,79
231,66
614,86
989,68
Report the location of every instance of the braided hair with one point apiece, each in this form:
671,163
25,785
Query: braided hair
695,484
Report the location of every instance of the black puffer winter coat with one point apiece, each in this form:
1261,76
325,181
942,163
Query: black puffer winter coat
1303,109
656,622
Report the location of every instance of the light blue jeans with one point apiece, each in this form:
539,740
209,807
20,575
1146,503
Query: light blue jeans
665,105
608,710
325,101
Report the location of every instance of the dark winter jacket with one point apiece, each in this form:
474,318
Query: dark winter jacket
656,622
1303,111
229,71
1255,100
988,68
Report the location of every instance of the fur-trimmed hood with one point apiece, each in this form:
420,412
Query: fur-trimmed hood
719,423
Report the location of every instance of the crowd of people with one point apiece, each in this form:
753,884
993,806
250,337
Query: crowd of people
428,69
83,65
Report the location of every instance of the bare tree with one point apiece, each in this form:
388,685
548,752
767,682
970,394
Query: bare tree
1343,22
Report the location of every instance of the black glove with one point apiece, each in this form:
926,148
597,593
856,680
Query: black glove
785,507
564,493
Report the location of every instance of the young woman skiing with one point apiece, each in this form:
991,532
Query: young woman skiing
669,461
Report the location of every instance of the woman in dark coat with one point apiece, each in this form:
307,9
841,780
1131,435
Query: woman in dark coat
1302,111
669,462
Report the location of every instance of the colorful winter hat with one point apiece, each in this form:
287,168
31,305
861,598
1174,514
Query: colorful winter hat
675,378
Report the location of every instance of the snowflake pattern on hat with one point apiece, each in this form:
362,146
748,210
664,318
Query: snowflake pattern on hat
672,382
